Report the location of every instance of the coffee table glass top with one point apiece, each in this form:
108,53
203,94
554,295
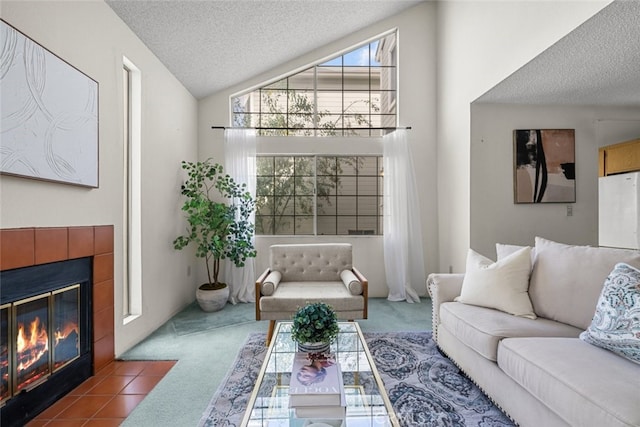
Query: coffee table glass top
367,401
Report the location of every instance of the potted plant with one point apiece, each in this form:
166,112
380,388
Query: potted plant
219,229
315,326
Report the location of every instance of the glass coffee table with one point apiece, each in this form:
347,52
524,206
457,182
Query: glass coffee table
366,398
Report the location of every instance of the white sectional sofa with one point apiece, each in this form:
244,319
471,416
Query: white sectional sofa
534,364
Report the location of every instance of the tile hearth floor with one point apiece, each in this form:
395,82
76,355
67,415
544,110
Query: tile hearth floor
107,398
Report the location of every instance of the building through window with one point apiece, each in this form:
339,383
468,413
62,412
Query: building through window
351,94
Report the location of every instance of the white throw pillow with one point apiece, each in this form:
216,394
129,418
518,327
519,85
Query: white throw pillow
504,250
616,323
567,280
502,285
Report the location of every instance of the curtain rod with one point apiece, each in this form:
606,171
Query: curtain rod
294,129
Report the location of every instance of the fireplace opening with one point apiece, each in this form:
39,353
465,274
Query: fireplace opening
45,334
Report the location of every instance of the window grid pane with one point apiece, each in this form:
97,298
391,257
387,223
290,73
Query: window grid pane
344,96
336,195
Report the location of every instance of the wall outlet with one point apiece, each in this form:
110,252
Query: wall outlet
569,210
188,270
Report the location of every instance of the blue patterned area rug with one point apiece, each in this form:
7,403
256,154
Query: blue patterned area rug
425,388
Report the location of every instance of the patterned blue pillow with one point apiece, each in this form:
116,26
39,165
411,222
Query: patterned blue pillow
616,324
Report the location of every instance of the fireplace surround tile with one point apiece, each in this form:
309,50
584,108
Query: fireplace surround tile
57,408
84,387
120,406
103,422
103,239
52,244
103,321
112,385
85,407
142,384
66,423
103,294
131,368
81,242
17,248
102,267
103,352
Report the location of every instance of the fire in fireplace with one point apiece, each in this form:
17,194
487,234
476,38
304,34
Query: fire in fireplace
45,346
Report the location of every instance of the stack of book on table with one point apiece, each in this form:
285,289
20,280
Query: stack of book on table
316,388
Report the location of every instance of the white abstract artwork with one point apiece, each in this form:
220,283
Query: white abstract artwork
49,114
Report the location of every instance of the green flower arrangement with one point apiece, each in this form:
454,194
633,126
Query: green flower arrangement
315,323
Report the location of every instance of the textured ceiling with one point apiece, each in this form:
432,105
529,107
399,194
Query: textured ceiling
596,64
211,45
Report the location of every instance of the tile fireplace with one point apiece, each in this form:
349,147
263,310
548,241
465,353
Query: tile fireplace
56,314
45,349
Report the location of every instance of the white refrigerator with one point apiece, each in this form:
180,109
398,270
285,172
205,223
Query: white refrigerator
618,211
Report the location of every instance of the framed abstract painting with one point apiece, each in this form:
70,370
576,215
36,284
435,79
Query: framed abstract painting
544,166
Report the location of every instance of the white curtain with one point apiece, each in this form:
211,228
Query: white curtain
403,253
240,164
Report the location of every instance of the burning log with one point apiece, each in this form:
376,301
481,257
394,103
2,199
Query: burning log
33,346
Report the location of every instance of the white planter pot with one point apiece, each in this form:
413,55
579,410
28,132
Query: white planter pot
212,300
314,347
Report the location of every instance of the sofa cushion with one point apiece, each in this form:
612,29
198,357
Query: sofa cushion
583,384
289,296
317,261
501,285
483,328
566,280
616,324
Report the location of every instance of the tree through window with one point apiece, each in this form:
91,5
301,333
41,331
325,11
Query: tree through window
351,94
307,195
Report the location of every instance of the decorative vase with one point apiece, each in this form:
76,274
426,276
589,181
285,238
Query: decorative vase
314,347
212,300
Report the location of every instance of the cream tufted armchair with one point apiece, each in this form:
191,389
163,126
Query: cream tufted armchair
307,273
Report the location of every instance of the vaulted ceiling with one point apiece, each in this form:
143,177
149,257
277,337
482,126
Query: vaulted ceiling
211,45
596,64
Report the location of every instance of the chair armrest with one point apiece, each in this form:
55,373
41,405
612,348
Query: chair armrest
442,288
351,282
258,291
270,283
365,291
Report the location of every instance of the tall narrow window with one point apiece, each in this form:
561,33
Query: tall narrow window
351,94
132,280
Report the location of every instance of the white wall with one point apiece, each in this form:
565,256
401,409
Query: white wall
416,97
480,44
91,37
494,216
